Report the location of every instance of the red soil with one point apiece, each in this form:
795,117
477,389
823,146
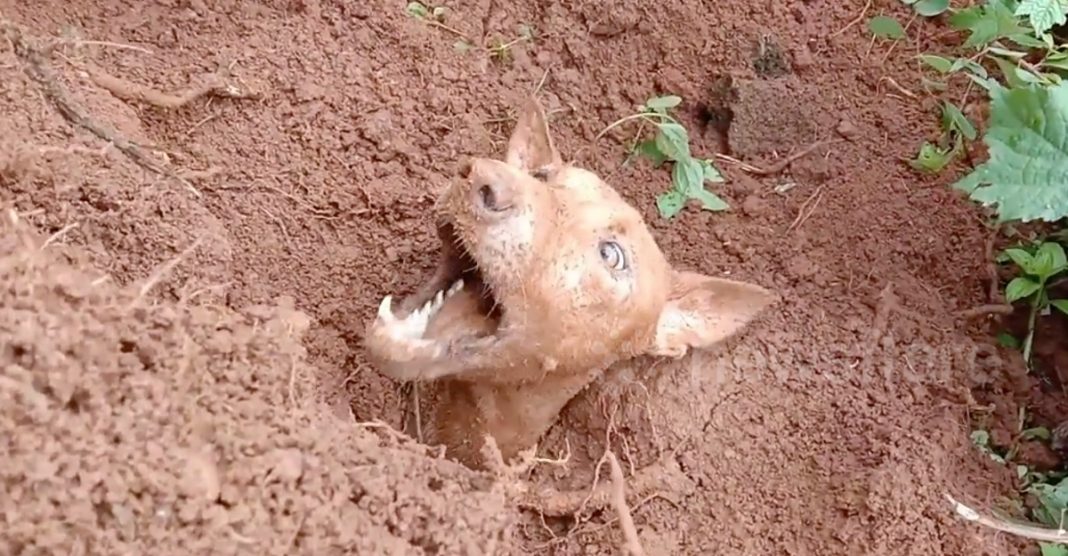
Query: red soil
190,418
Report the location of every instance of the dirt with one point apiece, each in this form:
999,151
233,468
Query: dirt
219,410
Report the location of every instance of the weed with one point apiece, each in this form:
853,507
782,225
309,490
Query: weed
1013,57
498,49
886,27
671,143
501,50
421,11
1038,267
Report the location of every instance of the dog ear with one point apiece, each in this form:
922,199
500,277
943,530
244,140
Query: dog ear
530,147
702,311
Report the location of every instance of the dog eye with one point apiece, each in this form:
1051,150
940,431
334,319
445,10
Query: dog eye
541,174
613,255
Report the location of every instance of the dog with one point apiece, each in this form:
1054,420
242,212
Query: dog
547,277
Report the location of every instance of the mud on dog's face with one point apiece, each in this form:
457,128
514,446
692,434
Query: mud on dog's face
559,254
548,254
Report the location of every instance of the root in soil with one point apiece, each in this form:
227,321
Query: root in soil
36,66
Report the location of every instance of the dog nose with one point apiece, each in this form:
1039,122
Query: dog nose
492,188
494,198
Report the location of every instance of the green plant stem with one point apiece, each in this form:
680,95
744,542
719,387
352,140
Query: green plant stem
1031,320
642,115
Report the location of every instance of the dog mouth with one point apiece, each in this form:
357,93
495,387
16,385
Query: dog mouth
459,286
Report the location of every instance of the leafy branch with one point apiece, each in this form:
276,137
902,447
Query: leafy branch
671,143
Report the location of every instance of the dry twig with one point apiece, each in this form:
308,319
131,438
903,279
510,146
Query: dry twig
985,310
854,21
37,69
556,503
162,271
781,164
632,545
213,85
808,208
1026,530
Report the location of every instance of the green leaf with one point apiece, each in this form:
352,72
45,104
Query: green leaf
966,19
981,438
673,141
1053,500
1006,53
1019,288
1061,305
1050,549
954,119
417,10
987,84
1027,41
931,159
1008,69
1007,340
666,102
986,23
1027,140
1022,259
649,150
974,67
931,8
1040,433
1043,14
712,174
932,85
670,204
1049,259
938,63
687,176
1027,76
886,27
709,200
1057,60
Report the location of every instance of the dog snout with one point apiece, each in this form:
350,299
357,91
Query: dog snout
494,198
492,191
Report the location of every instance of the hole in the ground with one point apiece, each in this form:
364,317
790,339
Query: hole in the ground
716,114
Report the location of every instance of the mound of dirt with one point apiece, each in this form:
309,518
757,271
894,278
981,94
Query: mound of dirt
140,428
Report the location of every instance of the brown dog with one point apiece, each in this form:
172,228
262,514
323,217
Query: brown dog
547,278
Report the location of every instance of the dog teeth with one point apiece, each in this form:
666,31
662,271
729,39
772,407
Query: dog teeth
456,287
414,325
385,309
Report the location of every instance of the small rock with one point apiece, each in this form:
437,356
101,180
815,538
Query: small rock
309,91
672,81
288,465
753,205
200,478
846,129
449,74
803,58
198,6
801,267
